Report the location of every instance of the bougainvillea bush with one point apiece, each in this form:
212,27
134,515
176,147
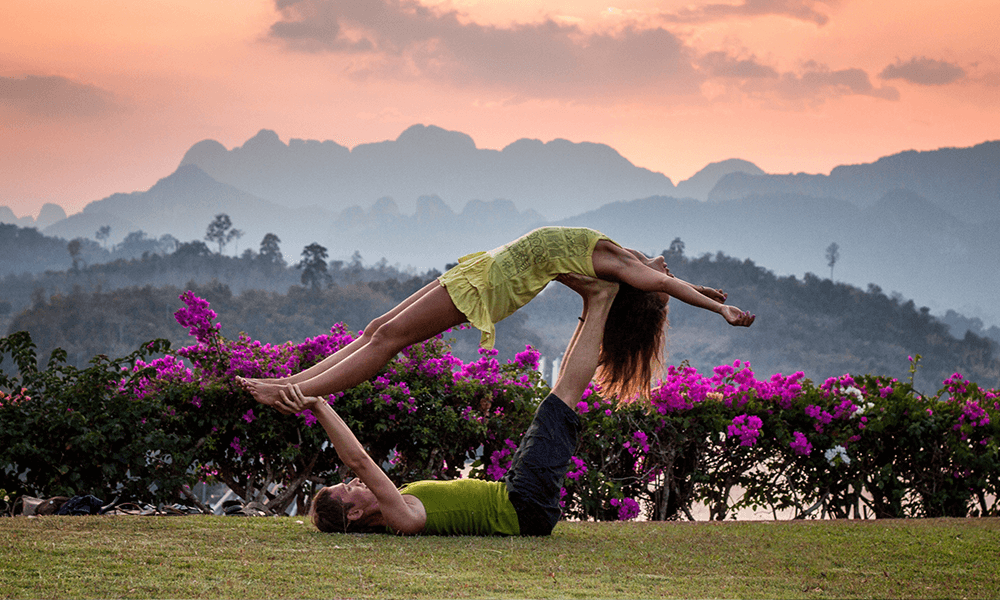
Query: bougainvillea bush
178,419
848,447
151,425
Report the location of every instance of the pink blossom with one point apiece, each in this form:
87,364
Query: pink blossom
747,428
527,360
627,508
801,444
581,468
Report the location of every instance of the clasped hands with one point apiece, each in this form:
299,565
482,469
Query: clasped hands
293,401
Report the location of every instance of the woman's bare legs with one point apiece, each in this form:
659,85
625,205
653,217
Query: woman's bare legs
431,312
347,350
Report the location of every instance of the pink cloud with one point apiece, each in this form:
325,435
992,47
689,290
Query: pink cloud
720,64
802,10
924,71
54,96
400,39
405,40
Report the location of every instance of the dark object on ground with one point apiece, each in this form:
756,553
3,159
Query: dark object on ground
81,505
51,506
236,508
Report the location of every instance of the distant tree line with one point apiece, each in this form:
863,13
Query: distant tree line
33,266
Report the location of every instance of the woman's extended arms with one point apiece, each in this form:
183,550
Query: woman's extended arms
659,263
615,263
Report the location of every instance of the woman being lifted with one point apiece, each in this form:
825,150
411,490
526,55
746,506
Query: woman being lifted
486,287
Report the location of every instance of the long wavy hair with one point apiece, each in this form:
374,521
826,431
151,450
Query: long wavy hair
632,352
329,514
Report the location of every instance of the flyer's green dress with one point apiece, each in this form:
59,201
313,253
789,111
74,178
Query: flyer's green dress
489,286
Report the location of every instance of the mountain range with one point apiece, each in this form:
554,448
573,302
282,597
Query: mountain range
922,224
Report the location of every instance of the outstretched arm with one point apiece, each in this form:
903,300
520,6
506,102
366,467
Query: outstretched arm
614,263
659,263
397,513
579,363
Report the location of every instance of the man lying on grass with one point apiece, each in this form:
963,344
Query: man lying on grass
525,503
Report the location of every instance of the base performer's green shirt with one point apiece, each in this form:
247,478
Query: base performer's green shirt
465,507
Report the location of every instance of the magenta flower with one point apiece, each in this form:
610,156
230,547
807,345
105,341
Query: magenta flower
956,384
527,360
974,414
627,508
500,461
747,428
641,443
309,418
801,444
581,468
819,414
197,317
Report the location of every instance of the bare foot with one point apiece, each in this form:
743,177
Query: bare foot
264,392
247,382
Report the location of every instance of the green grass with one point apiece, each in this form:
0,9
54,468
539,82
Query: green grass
229,557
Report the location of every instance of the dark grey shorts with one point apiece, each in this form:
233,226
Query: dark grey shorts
539,465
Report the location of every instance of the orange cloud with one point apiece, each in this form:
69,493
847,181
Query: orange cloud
54,96
408,41
720,64
804,10
924,71
818,81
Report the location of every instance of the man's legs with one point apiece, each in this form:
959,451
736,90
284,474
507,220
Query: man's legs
542,459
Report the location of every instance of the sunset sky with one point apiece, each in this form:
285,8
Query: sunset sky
105,96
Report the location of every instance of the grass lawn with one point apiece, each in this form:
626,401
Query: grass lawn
232,557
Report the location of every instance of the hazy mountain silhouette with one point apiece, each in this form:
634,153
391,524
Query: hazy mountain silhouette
183,204
902,243
557,178
50,213
965,182
701,183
